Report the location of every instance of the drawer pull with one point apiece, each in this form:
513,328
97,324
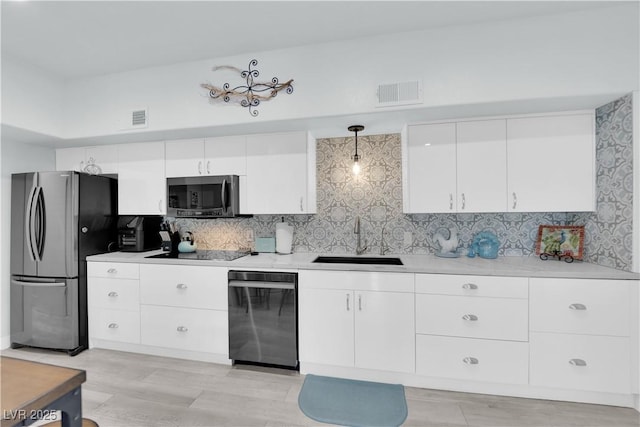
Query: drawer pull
577,362
470,317
112,294
181,286
578,307
469,286
112,271
470,360
113,326
182,329
348,295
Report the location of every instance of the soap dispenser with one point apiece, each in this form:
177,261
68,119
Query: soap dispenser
284,237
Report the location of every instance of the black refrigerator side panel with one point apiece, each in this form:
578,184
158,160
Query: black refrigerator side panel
98,230
97,215
21,261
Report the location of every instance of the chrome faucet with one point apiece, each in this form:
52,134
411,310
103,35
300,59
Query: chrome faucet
383,248
356,229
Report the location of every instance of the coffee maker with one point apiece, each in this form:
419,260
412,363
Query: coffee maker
139,233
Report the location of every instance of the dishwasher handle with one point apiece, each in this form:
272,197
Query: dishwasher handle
260,284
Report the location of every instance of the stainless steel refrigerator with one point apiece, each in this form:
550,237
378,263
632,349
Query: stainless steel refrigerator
57,220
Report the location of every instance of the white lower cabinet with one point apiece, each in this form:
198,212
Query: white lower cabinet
472,328
185,328
580,334
472,359
581,362
115,325
354,319
184,307
323,337
472,317
113,299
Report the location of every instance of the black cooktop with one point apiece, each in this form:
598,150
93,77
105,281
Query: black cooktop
206,255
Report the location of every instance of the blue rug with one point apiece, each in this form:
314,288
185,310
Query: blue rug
352,403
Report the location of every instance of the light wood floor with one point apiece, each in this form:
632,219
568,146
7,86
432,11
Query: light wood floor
126,389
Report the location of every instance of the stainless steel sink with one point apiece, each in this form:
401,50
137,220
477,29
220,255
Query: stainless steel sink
358,260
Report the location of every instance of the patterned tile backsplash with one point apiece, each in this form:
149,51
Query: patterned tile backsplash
376,196
608,231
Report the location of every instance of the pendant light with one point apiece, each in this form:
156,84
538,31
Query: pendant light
356,158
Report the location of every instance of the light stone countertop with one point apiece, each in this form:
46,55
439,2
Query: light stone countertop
502,266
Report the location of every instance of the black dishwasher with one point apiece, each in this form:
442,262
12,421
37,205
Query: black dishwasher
263,318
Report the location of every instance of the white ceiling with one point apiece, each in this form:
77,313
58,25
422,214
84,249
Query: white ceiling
75,39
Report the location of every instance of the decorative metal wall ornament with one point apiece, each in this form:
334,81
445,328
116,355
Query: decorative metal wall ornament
251,94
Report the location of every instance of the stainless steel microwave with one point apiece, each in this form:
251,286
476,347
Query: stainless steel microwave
203,197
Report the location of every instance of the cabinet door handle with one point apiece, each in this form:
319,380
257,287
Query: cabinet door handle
348,297
577,362
470,286
181,286
200,167
450,201
112,294
360,302
182,329
160,205
112,271
577,307
470,360
208,166
113,326
470,317
464,201
301,208
515,200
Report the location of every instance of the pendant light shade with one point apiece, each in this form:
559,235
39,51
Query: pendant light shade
356,158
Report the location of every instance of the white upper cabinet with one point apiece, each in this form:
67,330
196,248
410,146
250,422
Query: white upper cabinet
225,155
481,166
457,167
508,164
211,156
105,157
431,168
142,185
280,174
184,157
551,163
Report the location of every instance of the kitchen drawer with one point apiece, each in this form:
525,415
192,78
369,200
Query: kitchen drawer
114,325
472,359
477,286
582,306
472,317
114,270
184,286
119,294
580,362
185,328
358,281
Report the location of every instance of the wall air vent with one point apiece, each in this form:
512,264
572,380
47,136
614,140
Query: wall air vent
139,118
402,93
133,119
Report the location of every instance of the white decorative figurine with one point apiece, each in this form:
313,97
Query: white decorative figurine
448,247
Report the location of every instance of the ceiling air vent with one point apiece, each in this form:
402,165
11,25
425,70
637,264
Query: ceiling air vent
402,93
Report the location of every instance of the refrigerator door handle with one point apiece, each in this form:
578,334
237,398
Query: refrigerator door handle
39,284
41,222
31,223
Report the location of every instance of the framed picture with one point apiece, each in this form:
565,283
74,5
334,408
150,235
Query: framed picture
561,240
